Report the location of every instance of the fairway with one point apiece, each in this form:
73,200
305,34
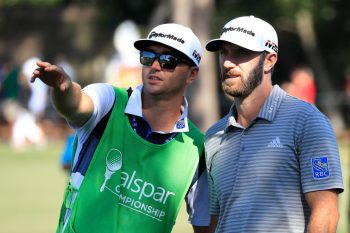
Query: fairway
31,187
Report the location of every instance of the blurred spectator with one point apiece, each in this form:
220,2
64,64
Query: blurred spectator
124,69
67,154
26,127
302,84
38,99
9,87
9,95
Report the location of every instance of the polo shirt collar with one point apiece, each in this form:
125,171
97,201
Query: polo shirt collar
268,110
271,105
134,107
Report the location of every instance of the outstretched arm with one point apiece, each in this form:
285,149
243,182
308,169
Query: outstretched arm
67,96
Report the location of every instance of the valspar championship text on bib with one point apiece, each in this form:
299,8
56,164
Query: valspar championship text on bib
141,195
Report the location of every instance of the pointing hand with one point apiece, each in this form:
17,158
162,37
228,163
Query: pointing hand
52,75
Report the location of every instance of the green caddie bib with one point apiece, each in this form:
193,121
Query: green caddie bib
131,185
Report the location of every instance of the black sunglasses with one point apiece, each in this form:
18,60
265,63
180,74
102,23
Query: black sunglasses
166,61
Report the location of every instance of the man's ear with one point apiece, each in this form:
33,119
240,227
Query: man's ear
270,61
193,75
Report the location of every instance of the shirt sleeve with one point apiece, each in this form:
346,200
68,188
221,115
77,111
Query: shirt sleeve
214,208
197,201
102,96
318,154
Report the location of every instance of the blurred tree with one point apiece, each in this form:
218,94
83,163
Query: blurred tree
203,96
307,35
29,2
328,22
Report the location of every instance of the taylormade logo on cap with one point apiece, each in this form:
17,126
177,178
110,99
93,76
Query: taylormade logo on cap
248,32
176,36
239,29
169,36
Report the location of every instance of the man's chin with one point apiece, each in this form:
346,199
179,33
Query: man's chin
230,91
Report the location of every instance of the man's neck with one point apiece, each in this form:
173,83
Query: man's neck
249,107
162,115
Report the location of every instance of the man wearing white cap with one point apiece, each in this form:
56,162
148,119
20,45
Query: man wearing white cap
272,161
137,155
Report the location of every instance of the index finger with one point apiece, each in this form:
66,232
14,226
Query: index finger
43,64
35,74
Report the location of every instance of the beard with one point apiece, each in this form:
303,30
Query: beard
253,80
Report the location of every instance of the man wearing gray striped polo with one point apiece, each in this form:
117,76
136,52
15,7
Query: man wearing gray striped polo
273,160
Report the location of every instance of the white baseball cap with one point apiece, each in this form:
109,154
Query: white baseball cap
176,36
248,32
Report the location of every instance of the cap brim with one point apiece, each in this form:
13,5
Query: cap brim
214,45
145,43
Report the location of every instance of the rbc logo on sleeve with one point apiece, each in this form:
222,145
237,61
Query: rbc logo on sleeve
320,167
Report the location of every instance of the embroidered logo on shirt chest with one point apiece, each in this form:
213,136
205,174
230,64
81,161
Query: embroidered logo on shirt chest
275,143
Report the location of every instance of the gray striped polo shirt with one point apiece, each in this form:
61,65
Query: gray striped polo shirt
258,174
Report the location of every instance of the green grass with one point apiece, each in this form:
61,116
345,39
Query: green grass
32,183
31,190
